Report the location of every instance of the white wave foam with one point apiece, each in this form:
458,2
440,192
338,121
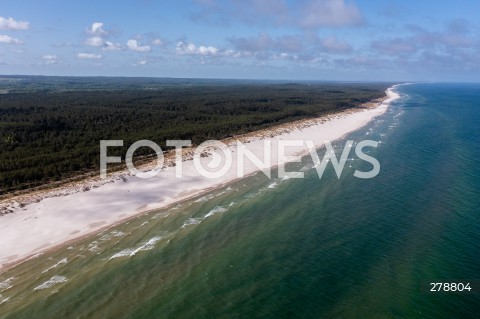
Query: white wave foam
51,282
273,185
117,233
3,300
6,284
124,253
191,221
149,245
34,256
110,235
218,209
93,247
61,262
129,252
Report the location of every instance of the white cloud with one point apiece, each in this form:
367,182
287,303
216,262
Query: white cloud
234,54
9,40
98,38
203,50
89,56
110,46
94,41
51,59
158,42
284,56
191,49
11,24
105,45
97,29
134,46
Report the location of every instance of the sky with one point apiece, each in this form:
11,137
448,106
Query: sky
340,40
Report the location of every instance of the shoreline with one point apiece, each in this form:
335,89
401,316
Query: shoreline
53,218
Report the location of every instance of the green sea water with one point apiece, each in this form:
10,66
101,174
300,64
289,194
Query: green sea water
295,248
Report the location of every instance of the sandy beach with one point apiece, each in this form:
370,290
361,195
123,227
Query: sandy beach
51,219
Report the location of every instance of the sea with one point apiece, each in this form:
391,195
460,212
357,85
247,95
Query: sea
295,248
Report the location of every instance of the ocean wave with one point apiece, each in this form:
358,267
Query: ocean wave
124,253
51,282
112,234
273,185
129,252
218,209
61,262
149,245
6,284
93,247
191,221
3,300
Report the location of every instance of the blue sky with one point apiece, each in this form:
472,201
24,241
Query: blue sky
258,39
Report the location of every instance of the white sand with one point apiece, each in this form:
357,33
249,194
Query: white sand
55,220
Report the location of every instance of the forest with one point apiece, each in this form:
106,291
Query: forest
51,127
